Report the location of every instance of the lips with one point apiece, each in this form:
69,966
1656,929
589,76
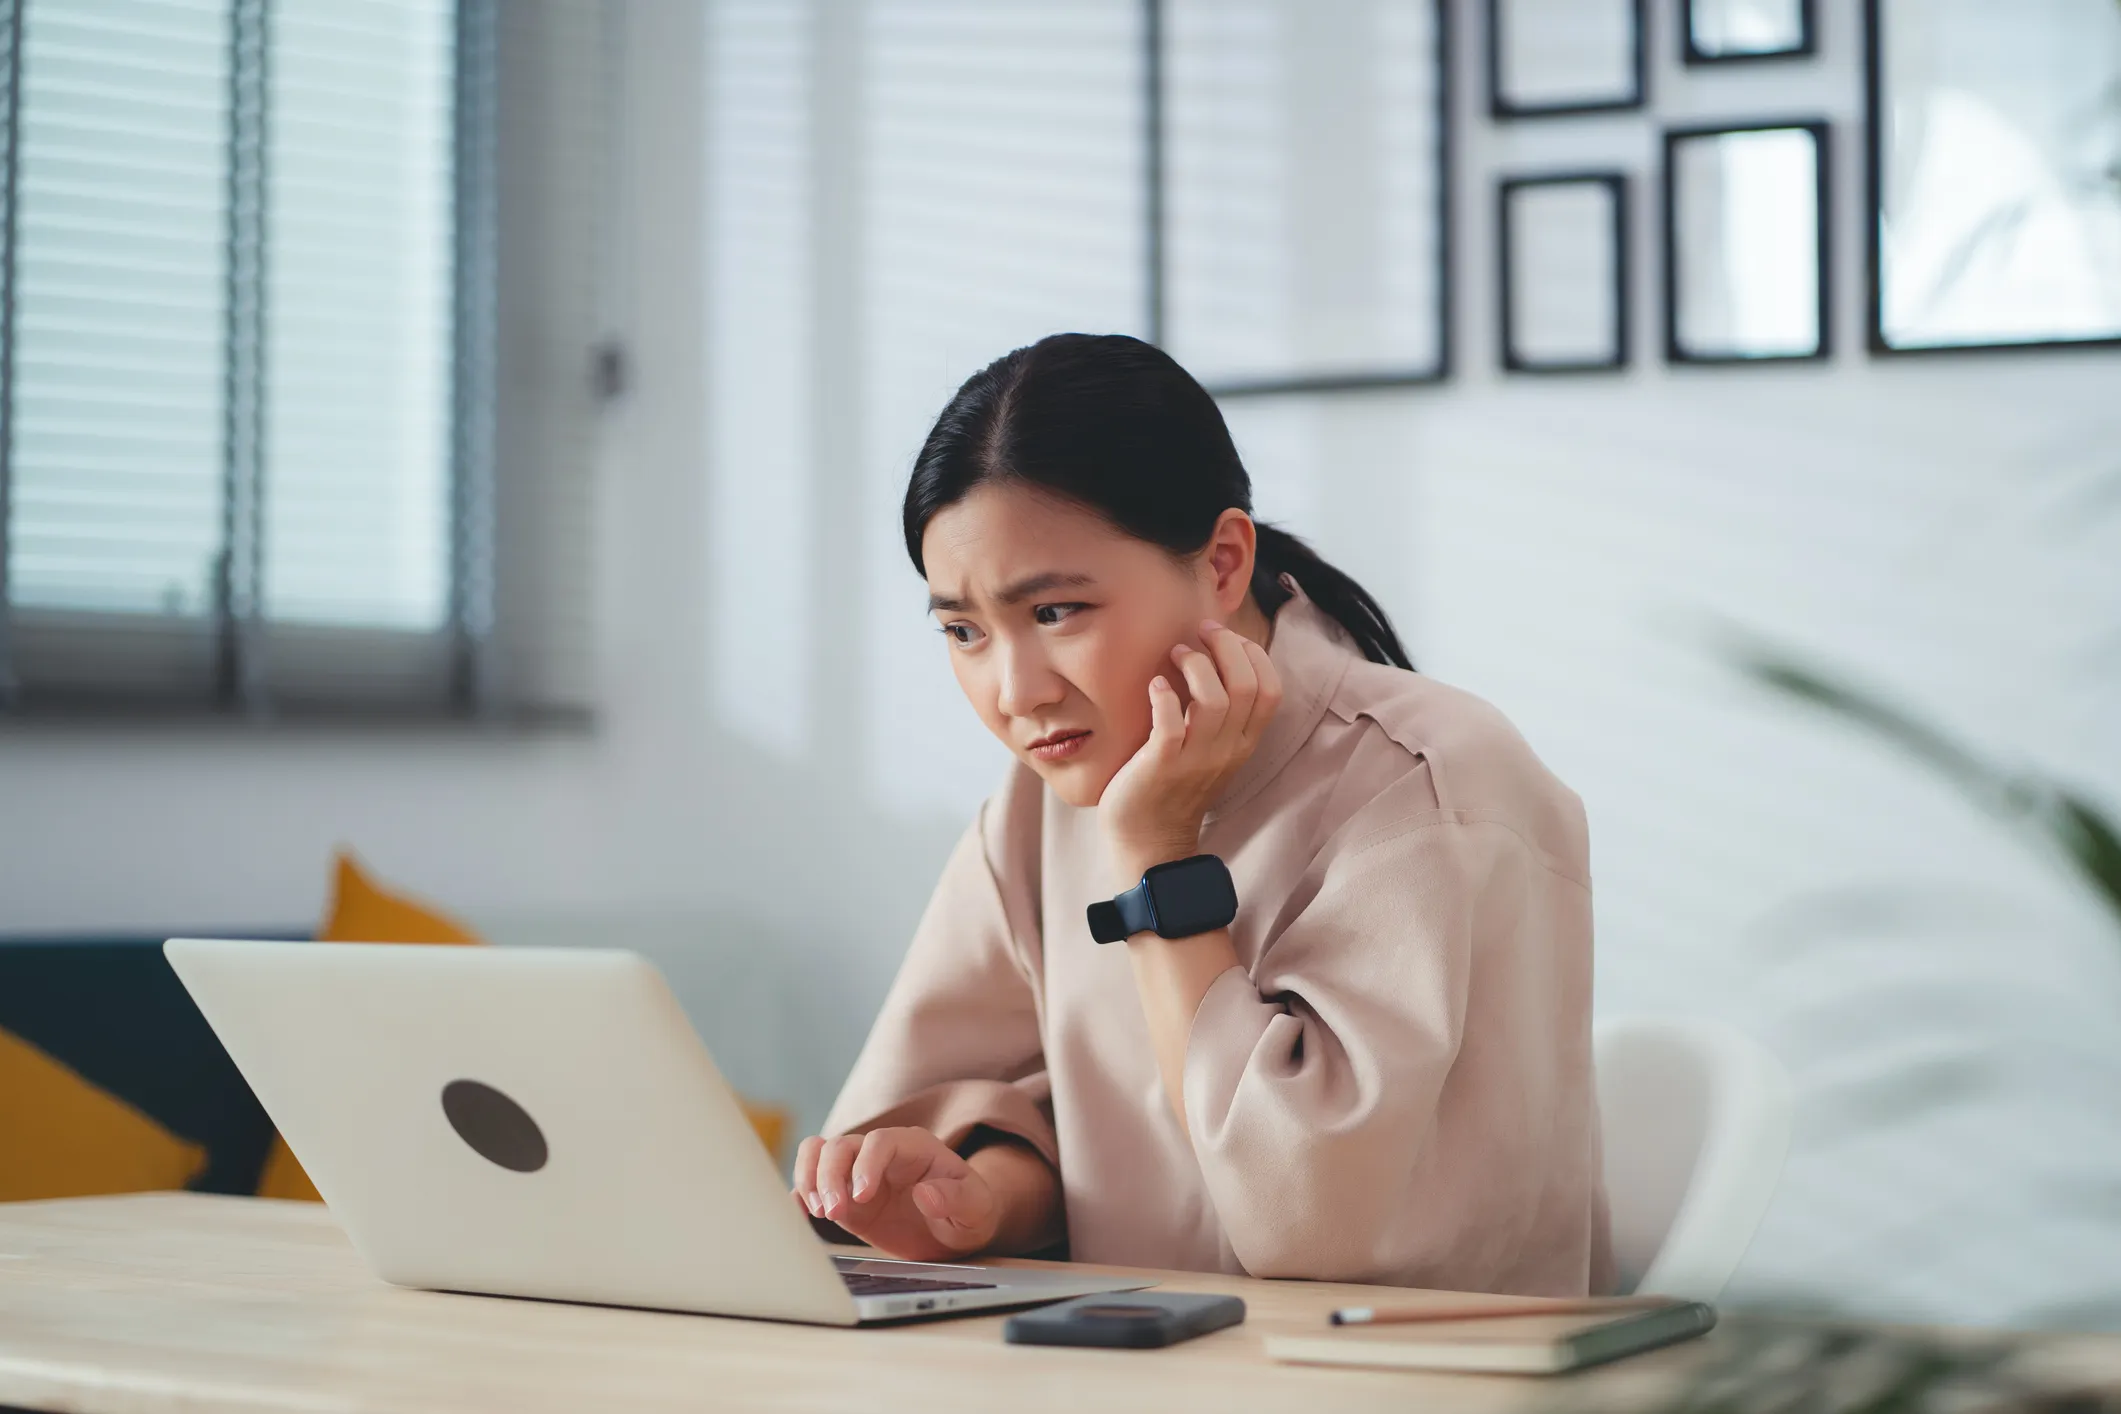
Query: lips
1060,745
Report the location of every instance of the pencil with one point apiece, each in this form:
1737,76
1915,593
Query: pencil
1408,1315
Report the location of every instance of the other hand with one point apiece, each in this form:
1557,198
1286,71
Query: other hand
1152,810
902,1191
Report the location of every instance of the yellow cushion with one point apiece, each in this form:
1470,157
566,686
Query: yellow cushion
771,1123
62,1137
284,1177
363,911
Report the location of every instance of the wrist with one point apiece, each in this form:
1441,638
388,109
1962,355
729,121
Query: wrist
1026,1196
1135,855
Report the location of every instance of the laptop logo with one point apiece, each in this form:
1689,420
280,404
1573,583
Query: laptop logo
496,1127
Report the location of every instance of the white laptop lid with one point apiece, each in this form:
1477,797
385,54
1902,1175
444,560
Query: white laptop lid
588,1149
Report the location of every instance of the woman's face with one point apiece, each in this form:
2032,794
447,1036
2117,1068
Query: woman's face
1056,622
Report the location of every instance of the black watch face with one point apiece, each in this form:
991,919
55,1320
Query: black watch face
1194,896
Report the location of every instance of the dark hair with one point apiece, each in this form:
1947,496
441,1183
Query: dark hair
1116,425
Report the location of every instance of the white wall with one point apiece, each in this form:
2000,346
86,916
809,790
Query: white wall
1951,1007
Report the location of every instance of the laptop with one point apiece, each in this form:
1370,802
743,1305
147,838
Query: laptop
545,1123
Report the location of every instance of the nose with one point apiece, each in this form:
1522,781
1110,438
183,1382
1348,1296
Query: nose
1028,681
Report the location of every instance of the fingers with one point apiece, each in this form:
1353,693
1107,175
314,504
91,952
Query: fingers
850,1174
1250,688
1211,700
871,1161
893,1158
901,1190
955,1210
835,1181
1167,718
1245,671
806,1175
1239,674
1205,721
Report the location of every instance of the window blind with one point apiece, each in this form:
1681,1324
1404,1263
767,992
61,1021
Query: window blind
358,361
1001,199
119,269
761,258
247,384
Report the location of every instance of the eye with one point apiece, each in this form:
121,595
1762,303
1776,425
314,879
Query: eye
1048,615
962,634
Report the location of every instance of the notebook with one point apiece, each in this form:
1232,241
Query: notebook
1520,1345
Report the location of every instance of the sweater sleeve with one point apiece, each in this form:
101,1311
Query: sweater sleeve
1381,1095
957,1045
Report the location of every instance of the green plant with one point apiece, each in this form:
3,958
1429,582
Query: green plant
2052,816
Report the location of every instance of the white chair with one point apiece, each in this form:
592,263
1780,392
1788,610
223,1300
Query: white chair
1697,1124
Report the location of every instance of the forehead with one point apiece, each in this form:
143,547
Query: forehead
1002,529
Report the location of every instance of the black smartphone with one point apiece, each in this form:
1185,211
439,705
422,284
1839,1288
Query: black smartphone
1133,1320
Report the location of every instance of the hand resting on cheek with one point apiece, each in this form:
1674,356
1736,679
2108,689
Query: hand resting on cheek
1153,807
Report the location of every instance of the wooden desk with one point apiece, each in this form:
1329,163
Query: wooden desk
180,1302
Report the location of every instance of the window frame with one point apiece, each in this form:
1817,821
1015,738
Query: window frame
1155,32
231,662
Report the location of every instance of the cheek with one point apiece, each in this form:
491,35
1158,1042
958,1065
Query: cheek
978,689
1115,676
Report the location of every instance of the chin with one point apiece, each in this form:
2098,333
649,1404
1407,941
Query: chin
1077,783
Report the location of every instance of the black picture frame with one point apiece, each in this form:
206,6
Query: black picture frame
1156,167
1694,57
1821,133
1615,184
1504,109
1874,110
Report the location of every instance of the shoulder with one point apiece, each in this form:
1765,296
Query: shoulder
1474,751
999,858
1474,765
1011,823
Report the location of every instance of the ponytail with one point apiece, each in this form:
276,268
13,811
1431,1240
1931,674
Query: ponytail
1337,596
1115,424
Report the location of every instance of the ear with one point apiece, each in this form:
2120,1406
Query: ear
1227,560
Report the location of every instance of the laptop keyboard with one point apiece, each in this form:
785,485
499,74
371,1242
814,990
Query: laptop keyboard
873,1284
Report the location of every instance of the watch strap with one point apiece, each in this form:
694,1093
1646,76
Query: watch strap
1118,919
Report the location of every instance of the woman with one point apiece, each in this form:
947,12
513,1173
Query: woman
1379,1068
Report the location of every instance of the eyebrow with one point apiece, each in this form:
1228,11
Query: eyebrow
1015,593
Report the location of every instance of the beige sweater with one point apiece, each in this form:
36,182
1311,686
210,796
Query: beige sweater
1395,1087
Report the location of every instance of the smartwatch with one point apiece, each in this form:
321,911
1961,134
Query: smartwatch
1174,900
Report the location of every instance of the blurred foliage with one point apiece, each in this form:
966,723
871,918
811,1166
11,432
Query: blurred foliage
1783,1365
2047,814
1813,1365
